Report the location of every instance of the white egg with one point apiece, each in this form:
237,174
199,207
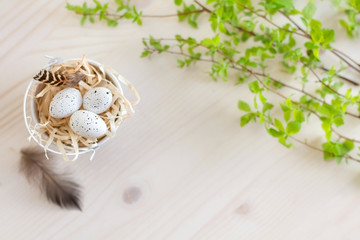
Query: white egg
97,99
65,103
87,124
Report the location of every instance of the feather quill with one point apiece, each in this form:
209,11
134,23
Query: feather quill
53,180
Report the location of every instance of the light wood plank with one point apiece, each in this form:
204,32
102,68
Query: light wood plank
199,175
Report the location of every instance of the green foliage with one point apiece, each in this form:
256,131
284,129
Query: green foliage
294,46
101,11
319,37
244,106
245,119
337,150
293,127
309,10
352,9
191,18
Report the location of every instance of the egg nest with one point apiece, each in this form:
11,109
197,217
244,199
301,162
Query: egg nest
50,130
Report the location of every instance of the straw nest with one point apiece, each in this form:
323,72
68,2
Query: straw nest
50,130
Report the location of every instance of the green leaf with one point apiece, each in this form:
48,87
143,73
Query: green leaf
210,1
288,102
254,87
309,45
326,126
287,112
298,116
267,106
338,159
101,15
293,127
354,4
316,53
325,110
274,133
262,98
178,2
279,125
309,10
118,2
348,27
207,42
181,63
244,106
138,21
245,119
145,53
128,15
282,140
336,3
69,6
285,3
338,120
287,116
337,150
348,145
328,150
192,23
328,36
83,19
315,32
304,21
216,40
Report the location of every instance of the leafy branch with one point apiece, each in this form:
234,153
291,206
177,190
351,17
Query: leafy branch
125,11
316,95
352,9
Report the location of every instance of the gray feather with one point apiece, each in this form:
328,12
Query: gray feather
74,78
53,179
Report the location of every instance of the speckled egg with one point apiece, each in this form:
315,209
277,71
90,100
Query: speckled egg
87,124
97,99
65,103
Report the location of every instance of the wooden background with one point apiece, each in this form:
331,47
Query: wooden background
181,168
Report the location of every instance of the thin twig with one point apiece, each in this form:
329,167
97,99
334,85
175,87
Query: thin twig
259,74
343,136
252,33
345,61
296,25
203,7
347,156
284,97
335,51
304,107
147,16
321,150
340,76
323,83
345,55
172,15
256,74
182,54
269,21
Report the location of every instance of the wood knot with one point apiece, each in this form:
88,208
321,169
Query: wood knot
243,209
132,195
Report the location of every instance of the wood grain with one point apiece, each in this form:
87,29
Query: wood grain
182,168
